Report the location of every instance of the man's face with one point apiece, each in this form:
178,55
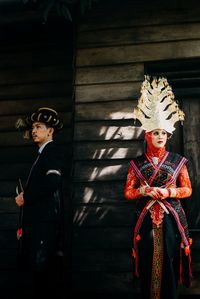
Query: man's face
41,133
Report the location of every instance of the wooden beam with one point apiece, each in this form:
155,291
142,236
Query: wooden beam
138,53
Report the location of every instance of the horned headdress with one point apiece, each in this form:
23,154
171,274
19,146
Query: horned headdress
157,107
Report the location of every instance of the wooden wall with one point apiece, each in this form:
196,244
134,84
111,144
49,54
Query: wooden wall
36,69
116,44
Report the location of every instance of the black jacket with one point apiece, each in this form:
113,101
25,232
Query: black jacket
42,193
42,227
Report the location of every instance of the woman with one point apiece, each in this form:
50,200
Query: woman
158,180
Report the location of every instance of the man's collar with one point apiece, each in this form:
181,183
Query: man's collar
43,146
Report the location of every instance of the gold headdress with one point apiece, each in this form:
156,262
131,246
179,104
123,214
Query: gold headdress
157,108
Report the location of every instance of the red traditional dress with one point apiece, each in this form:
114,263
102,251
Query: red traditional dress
161,243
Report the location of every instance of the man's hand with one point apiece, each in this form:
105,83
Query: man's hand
19,199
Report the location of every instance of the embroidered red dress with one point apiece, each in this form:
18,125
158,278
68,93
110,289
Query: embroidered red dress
161,239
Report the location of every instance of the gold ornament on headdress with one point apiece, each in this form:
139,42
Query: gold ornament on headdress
157,108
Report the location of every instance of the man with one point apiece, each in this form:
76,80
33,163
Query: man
41,203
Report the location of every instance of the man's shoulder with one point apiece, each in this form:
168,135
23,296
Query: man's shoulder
54,150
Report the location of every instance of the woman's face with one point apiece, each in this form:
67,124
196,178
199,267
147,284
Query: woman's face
159,138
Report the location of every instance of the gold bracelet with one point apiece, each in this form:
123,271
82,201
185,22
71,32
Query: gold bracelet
172,192
142,190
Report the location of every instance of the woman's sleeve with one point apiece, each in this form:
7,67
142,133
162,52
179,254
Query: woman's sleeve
184,188
132,190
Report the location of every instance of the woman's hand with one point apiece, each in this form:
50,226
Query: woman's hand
163,193
150,191
19,199
154,192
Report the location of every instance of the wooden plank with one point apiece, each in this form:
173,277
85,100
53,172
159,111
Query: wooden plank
36,74
194,291
12,139
34,38
127,90
110,74
9,221
112,141
100,170
94,283
11,279
105,110
20,154
103,216
138,53
195,235
98,284
99,192
136,35
14,170
8,205
129,15
16,138
102,260
25,153
25,106
195,260
40,57
183,68
108,150
107,260
8,187
44,89
107,92
104,238
107,130
191,139
8,259
8,239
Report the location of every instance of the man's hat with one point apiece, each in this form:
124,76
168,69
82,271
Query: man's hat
45,115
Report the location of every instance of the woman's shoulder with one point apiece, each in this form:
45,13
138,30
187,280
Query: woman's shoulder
175,155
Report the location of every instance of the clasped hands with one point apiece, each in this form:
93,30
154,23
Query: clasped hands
154,192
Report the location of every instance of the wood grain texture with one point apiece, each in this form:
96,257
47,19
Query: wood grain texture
138,35
110,74
107,92
138,53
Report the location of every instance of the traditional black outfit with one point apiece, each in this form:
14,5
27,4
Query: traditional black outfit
43,211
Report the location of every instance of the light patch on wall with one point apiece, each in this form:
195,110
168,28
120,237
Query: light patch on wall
123,132
107,171
113,153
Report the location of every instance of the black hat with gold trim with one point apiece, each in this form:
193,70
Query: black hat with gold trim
45,115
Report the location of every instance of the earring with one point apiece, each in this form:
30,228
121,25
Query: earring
169,137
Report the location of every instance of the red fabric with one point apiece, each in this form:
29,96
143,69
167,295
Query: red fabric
132,187
183,185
